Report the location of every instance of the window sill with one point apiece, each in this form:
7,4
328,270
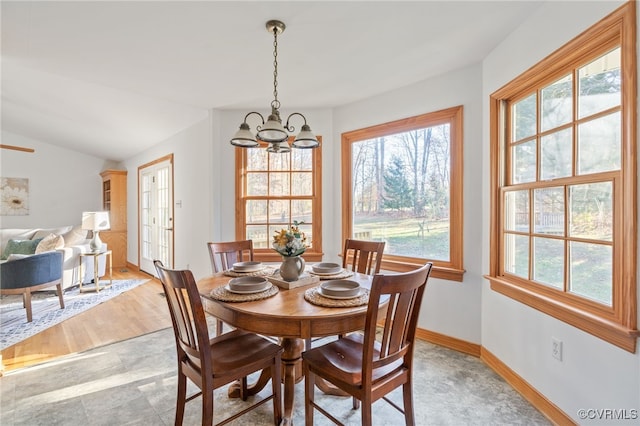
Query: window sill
612,332
441,272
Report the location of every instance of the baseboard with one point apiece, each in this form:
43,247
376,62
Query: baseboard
538,400
449,342
528,392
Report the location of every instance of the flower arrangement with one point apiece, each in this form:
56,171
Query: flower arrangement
290,241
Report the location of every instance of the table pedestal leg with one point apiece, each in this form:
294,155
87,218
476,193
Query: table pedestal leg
291,374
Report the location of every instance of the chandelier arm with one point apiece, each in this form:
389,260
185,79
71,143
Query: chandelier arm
291,128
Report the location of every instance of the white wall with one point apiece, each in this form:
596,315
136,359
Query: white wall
451,308
62,183
593,374
194,172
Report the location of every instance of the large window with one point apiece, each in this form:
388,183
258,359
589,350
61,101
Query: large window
402,184
564,179
273,191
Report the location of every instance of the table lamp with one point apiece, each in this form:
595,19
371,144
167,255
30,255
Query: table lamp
96,222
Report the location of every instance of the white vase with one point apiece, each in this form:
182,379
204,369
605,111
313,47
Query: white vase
291,268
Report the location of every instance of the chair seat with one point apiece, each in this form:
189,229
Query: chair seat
237,350
340,362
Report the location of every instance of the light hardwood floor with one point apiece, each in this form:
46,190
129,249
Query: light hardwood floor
136,312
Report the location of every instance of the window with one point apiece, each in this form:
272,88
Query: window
402,184
273,191
563,175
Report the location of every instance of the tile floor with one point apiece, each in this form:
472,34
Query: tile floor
133,383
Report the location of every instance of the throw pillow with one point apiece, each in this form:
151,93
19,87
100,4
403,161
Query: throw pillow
20,247
75,236
49,243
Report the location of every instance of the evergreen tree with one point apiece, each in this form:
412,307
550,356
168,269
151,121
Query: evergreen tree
397,191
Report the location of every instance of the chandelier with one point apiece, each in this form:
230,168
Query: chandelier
272,131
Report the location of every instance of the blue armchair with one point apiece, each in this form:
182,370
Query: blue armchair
31,273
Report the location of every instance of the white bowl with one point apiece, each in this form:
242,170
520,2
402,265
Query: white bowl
248,284
326,268
247,266
340,288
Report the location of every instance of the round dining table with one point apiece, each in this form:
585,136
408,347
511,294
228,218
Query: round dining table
289,317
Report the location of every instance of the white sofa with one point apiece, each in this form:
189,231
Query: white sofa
75,242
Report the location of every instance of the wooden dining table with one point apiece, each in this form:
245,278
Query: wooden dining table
289,317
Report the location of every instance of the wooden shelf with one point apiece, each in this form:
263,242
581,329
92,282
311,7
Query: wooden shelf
114,200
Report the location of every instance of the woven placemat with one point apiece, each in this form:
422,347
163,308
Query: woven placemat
313,295
224,295
340,275
266,271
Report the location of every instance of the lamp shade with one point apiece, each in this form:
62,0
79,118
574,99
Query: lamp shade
95,221
306,138
244,137
273,131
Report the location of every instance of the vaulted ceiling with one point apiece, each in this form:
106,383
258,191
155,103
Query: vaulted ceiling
113,78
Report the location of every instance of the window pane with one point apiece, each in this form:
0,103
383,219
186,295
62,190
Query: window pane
524,118
256,184
279,184
591,210
279,162
556,154
557,103
549,211
548,261
259,235
301,159
599,145
279,211
302,184
516,255
517,211
256,159
591,271
400,191
524,162
256,211
599,84
302,210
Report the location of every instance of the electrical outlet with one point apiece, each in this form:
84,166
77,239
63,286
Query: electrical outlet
556,348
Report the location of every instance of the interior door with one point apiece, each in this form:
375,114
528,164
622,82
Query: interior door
155,182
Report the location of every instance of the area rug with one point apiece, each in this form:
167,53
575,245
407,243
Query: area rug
46,309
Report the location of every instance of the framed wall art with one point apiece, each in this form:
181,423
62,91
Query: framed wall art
14,193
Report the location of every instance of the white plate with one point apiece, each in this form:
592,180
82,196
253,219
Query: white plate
266,287
247,266
360,293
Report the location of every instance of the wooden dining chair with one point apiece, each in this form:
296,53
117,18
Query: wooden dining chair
368,366
361,256
212,363
223,255
364,257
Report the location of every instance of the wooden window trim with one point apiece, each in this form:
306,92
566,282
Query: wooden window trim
453,269
617,325
266,254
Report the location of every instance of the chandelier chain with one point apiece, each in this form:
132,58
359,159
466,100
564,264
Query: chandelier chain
275,103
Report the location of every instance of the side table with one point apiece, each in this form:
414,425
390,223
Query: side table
96,272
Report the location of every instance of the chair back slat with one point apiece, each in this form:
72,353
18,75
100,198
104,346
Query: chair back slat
224,254
187,315
395,342
364,257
